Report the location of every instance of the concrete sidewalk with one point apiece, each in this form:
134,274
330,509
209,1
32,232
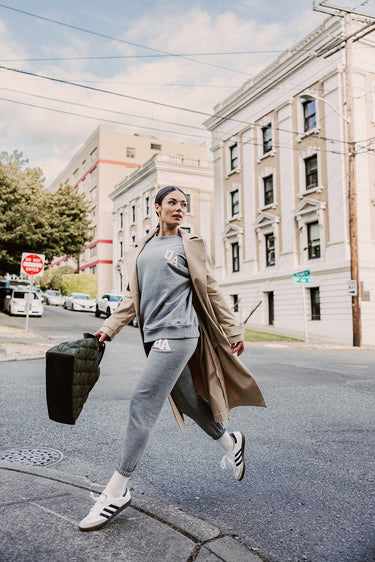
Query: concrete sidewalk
41,509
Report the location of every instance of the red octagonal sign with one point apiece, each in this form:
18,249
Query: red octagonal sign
32,264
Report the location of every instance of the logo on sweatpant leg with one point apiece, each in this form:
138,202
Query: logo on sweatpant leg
162,345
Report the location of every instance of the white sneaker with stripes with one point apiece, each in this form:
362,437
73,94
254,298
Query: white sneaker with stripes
105,509
236,456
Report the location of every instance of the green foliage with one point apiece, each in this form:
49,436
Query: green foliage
34,220
52,277
82,283
253,335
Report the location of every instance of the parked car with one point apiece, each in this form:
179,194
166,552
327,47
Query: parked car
79,301
15,303
4,291
54,298
107,304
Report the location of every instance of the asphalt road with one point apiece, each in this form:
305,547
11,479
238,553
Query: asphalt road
309,487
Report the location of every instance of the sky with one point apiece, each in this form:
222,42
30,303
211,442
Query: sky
146,55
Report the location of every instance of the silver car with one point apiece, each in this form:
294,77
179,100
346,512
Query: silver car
54,298
79,301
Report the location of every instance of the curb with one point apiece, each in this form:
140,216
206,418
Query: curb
209,540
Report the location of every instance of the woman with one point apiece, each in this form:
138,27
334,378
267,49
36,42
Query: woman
190,338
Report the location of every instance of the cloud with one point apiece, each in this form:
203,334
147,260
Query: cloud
50,140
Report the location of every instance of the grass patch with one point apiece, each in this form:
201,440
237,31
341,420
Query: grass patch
252,335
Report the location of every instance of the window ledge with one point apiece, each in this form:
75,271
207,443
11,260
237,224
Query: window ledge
266,155
313,131
234,218
317,189
267,207
231,172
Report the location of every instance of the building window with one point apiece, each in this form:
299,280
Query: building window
267,138
235,202
147,206
93,270
235,300
315,303
133,239
311,172
93,193
235,257
130,152
309,115
188,202
270,249
155,146
313,240
121,249
121,220
233,157
133,213
93,251
268,190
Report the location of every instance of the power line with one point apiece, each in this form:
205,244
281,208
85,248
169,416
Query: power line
104,36
245,139
120,57
153,102
102,109
101,119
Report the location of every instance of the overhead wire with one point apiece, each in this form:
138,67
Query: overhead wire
153,102
117,39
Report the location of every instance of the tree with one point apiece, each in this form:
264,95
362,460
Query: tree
34,220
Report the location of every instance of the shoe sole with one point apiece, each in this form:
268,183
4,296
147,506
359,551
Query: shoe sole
243,458
100,525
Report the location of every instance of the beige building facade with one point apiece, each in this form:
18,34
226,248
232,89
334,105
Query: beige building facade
105,159
134,198
281,164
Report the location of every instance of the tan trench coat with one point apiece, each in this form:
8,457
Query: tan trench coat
220,377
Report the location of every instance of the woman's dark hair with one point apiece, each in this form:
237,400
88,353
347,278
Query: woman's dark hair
163,192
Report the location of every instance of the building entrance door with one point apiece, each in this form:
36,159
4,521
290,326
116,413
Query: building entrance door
271,312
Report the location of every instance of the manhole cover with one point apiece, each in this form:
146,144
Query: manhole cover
41,456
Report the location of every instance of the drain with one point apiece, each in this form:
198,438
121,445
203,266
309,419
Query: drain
41,456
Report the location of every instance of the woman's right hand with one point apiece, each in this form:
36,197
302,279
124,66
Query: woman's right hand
101,336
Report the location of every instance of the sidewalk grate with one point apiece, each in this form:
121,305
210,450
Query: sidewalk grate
40,456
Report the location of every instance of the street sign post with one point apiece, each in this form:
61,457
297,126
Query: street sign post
31,264
302,278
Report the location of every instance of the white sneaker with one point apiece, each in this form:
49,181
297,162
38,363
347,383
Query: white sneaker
236,457
105,508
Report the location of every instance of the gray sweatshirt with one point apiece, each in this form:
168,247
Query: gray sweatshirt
166,291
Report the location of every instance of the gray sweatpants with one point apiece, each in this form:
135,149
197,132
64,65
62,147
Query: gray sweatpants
166,372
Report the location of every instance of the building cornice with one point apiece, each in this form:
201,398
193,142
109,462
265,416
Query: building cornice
286,64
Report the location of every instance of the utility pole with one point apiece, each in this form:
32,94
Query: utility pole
352,191
346,13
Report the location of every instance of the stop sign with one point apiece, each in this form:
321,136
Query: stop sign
32,264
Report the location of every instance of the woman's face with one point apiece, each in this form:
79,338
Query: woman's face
173,208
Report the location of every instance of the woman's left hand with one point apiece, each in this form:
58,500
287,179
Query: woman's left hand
237,348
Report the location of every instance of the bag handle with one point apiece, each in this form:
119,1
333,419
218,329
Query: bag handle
101,345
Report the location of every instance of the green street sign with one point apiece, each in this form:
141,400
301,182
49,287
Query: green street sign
302,279
305,273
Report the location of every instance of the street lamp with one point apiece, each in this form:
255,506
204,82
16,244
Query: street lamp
312,96
352,194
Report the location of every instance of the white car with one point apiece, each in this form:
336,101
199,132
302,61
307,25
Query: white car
107,304
54,298
79,301
16,302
